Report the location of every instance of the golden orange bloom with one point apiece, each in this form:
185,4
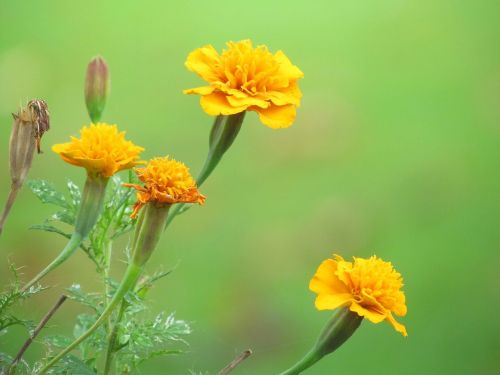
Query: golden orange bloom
101,149
369,287
166,181
244,78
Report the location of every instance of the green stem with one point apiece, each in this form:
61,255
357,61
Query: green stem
307,361
68,250
110,352
90,209
339,328
131,276
222,135
147,234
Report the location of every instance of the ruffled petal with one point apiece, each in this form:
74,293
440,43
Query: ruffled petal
372,315
332,301
202,61
325,281
277,116
216,104
289,95
397,326
291,71
203,90
247,101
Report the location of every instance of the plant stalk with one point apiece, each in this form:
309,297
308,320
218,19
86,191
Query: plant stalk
222,135
90,209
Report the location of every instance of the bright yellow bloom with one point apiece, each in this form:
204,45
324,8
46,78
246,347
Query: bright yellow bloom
101,149
247,78
166,181
369,287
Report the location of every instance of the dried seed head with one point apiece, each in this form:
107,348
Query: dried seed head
30,122
41,118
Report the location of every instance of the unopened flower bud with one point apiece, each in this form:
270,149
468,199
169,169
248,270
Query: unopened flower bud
30,123
97,84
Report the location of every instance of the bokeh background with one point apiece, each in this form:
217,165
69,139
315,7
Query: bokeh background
395,151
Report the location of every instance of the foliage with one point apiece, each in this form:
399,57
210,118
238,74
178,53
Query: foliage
113,222
10,297
139,337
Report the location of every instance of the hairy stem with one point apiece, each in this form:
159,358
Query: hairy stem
37,330
131,275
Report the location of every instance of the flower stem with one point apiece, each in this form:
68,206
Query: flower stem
68,250
339,328
110,352
146,237
8,205
222,135
90,209
131,275
307,361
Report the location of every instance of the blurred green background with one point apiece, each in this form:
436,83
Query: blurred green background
395,151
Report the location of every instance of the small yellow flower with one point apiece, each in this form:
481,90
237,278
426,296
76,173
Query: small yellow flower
247,78
368,287
101,149
166,181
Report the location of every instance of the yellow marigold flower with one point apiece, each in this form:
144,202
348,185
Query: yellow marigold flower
101,149
247,78
165,181
368,287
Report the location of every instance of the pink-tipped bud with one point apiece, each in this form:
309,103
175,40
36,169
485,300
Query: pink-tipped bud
97,84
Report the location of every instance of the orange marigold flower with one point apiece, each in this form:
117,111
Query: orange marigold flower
246,78
101,149
166,181
368,287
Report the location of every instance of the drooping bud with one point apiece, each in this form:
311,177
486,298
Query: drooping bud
30,123
97,84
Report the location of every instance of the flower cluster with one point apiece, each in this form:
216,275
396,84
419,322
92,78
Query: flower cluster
369,287
166,181
247,78
101,149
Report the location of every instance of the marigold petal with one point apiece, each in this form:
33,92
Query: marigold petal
289,95
216,104
332,301
287,68
325,281
203,90
202,61
277,116
247,101
372,315
397,326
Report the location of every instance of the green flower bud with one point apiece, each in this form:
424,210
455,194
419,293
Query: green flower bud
97,85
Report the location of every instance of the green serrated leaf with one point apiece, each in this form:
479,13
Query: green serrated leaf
47,193
75,366
50,228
